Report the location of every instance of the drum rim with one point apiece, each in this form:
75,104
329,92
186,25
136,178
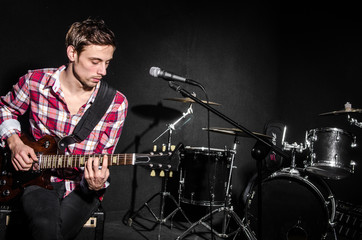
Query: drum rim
205,149
284,174
330,129
317,169
325,163
202,202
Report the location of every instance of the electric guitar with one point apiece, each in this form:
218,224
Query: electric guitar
12,182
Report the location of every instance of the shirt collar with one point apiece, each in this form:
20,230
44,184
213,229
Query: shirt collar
54,83
53,80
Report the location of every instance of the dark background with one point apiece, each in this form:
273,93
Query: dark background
277,61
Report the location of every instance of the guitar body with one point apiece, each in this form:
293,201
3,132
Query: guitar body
13,182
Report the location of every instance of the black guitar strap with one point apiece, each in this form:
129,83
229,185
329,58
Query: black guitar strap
91,117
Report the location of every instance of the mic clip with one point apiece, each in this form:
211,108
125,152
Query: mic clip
174,86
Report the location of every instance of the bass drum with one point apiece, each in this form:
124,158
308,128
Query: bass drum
294,206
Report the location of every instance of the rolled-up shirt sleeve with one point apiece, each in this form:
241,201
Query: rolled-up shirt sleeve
12,105
8,128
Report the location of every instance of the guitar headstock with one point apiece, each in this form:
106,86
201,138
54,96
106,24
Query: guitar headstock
163,161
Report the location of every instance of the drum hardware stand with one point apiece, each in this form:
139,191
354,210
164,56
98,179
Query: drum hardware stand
164,193
354,121
294,147
227,211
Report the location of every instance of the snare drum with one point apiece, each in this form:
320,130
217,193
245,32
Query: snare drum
294,206
330,152
204,175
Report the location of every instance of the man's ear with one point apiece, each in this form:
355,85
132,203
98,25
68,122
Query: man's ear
71,53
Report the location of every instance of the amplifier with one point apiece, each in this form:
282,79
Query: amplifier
348,221
4,221
93,229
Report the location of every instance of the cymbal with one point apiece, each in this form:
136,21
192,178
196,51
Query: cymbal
234,131
157,112
340,112
189,100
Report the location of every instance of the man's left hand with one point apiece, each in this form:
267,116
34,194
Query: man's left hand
95,176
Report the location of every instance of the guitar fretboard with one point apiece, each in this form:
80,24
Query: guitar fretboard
71,161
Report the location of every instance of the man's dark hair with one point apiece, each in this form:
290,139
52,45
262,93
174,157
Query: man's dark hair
89,32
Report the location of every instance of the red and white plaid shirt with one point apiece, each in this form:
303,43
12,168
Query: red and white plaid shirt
40,91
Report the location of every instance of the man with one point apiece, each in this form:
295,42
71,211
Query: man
56,100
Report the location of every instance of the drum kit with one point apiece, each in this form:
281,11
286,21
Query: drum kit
297,201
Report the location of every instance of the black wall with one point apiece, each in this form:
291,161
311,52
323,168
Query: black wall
320,70
261,61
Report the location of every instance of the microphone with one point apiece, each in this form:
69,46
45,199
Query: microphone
159,73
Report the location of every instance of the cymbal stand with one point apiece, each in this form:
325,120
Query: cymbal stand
161,219
227,210
171,127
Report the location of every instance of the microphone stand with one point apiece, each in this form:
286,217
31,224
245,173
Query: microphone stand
259,151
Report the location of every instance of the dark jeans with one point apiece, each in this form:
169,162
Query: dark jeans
50,216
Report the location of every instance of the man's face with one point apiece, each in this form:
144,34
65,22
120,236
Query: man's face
91,64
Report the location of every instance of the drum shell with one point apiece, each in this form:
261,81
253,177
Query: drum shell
291,201
330,152
204,176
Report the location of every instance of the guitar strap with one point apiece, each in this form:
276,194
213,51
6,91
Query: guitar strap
91,117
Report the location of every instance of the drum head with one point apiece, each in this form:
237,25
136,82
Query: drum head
292,208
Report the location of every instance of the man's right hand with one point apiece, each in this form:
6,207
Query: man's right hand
22,156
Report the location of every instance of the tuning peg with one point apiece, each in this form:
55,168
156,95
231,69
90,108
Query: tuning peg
153,173
162,173
170,174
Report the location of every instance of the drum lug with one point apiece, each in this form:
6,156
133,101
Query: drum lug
212,197
192,197
251,196
314,137
352,164
305,163
354,144
313,156
332,224
330,196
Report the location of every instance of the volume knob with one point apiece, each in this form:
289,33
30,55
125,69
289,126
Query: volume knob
5,193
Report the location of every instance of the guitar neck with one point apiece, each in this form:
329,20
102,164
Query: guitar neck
72,161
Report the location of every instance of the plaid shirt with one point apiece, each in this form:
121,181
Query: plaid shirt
40,90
